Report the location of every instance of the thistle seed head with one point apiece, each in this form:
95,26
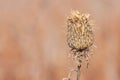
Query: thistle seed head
80,34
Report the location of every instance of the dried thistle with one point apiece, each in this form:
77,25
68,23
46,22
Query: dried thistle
80,38
80,35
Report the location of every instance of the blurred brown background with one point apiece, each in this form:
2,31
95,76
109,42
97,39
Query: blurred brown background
33,39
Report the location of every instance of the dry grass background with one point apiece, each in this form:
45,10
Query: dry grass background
33,39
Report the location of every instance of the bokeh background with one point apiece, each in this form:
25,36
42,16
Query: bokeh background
33,39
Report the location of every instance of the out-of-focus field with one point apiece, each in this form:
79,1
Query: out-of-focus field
33,39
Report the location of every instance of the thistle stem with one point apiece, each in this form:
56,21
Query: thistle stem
78,72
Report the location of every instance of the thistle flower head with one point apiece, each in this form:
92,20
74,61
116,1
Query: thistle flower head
80,35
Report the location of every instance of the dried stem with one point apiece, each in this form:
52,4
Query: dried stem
78,72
